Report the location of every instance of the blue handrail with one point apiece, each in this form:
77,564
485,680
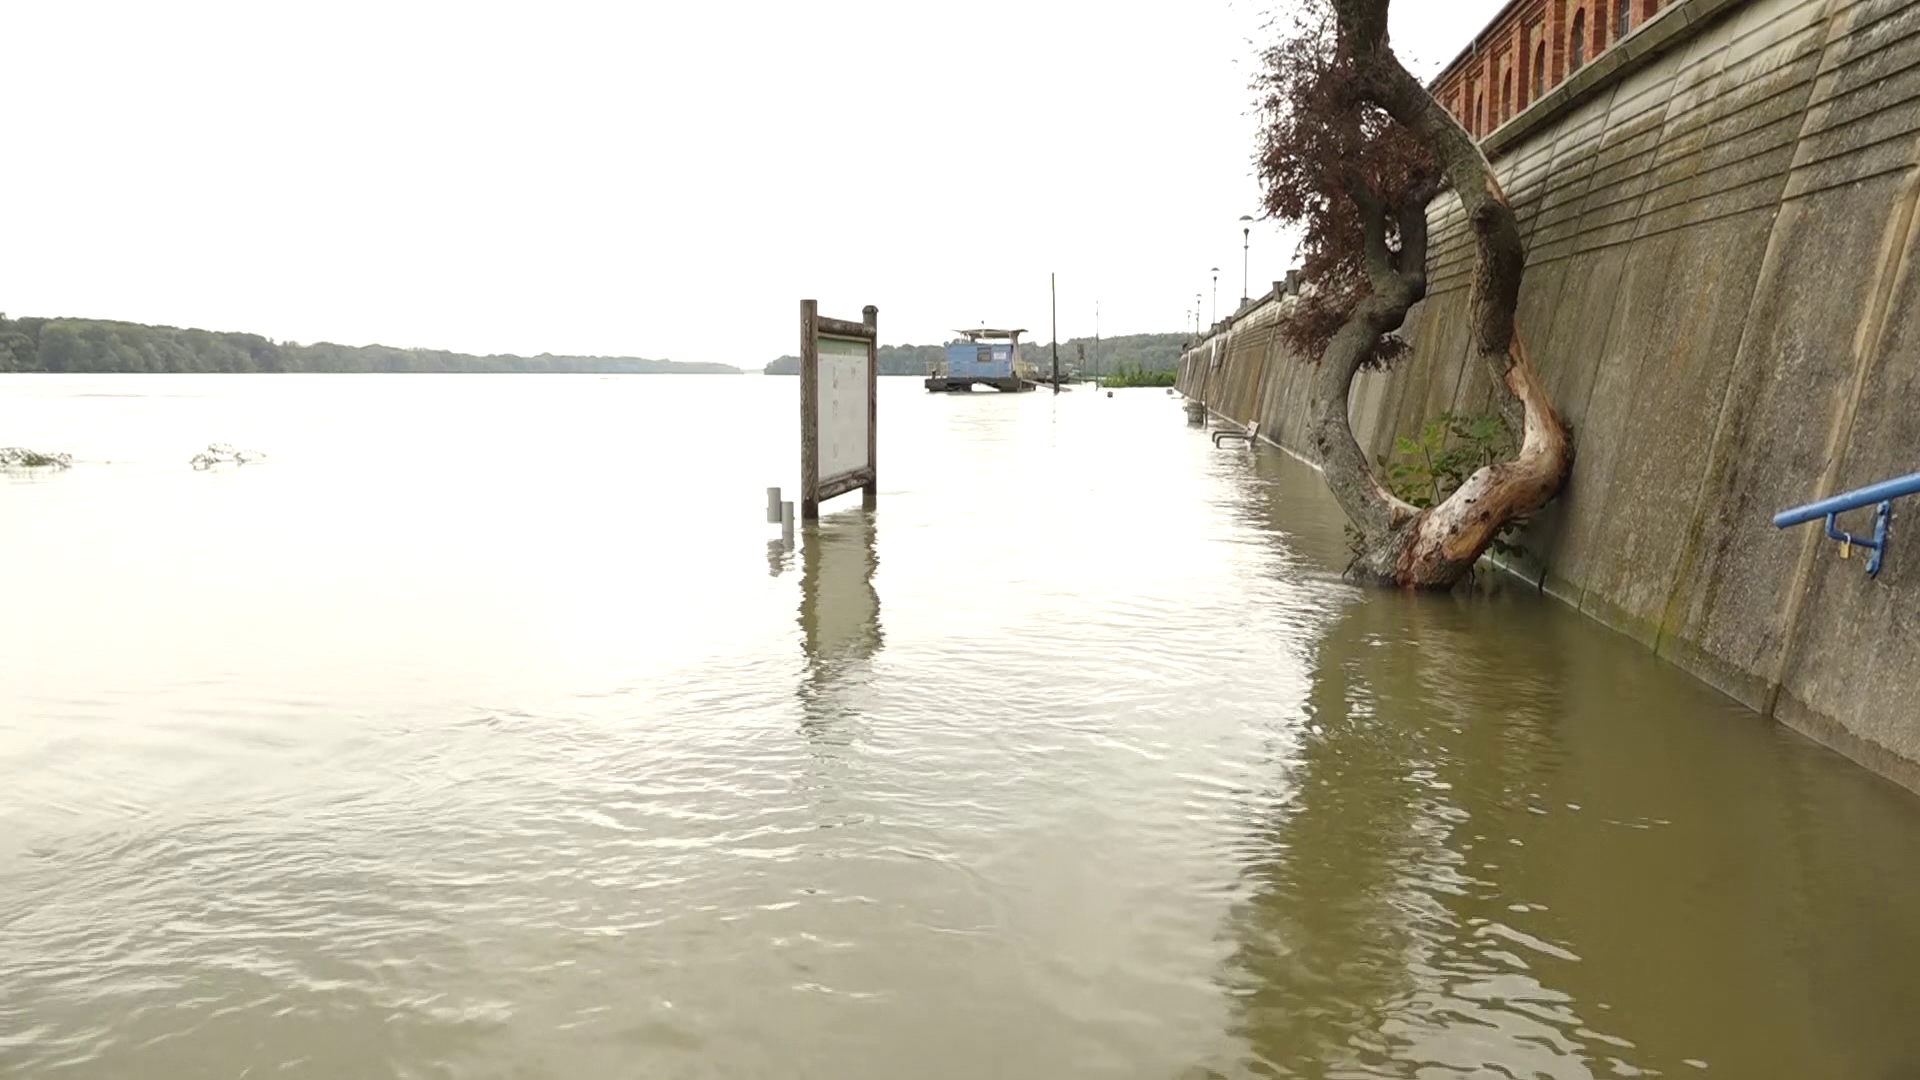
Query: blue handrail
1882,493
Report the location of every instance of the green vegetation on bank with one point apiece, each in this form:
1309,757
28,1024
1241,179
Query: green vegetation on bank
38,344
19,457
1128,379
1129,352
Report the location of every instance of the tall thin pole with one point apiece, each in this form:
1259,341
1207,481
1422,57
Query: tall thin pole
1246,245
1216,296
1053,289
1096,337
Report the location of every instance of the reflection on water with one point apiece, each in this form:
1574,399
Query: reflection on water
839,614
397,756
1362,874
1513,848
779,556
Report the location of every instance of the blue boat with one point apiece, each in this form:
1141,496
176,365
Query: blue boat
982,358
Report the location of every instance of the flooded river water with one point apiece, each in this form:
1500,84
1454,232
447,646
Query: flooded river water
485,730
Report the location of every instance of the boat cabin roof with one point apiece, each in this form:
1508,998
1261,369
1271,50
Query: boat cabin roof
994,335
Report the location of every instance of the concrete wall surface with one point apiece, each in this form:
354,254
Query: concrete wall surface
1721,295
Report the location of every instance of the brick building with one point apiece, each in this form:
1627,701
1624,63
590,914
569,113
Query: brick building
1531,47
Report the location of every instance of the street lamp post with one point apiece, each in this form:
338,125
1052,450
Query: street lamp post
1196,314
1216,296
1246,245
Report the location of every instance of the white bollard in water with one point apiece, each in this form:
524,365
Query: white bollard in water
786,520
773,506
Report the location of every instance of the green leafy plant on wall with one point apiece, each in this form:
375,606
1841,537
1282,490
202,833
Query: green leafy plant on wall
1427,467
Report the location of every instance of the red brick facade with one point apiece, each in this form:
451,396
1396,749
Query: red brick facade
1529,49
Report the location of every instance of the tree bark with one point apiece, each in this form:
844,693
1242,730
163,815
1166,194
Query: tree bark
1436,547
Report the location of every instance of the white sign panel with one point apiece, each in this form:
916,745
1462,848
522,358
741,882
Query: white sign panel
843,407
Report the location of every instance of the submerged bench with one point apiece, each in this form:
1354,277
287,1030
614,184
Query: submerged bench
1251,435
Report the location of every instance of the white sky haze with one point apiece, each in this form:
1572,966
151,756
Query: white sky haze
649,179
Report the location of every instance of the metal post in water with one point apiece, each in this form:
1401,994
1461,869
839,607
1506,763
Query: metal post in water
786,520
1053,291
773,506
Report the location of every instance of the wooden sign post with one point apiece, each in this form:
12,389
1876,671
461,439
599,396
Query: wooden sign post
839,377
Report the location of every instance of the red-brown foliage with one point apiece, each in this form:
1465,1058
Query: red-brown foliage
1322,148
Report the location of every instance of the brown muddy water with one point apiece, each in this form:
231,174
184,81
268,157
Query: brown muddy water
485,730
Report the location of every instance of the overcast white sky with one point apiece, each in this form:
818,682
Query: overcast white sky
640,178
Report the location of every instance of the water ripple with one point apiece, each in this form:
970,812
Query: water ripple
1079,761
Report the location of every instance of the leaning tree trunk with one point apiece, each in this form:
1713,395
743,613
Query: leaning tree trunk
1435,547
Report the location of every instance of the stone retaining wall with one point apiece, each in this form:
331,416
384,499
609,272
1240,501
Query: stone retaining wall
1720,293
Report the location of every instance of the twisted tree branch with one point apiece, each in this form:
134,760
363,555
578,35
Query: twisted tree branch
1405,546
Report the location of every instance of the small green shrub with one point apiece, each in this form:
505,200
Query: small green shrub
1432,465
1426,468
1129,379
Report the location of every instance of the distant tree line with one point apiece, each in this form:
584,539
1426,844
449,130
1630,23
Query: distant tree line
37,344
1129,352
894,360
